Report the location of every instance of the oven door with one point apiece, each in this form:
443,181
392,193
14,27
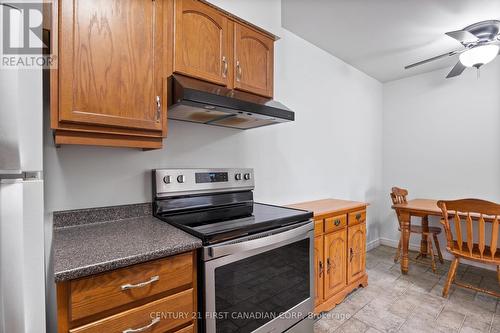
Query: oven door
260,283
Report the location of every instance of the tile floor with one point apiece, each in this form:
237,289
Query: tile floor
412,303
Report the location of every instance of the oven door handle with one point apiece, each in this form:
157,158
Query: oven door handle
243,246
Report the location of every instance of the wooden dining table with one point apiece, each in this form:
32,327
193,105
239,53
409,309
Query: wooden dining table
417,207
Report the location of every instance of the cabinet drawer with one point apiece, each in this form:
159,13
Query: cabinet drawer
318,227
171,311
335,222
357,217
109,290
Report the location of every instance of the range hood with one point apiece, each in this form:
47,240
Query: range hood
202,102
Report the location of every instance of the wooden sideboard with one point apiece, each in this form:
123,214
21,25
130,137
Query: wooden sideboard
339,249
125,299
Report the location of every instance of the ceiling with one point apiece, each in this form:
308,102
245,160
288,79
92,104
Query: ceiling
380,37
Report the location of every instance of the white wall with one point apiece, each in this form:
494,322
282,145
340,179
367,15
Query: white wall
441,139
333,149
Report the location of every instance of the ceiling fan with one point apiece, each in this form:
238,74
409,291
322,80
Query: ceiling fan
480,45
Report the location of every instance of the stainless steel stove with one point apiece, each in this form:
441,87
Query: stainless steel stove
256,264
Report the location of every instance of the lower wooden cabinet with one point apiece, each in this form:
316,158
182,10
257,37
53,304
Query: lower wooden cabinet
335,253
341,261
356,252
156,296
319,269
339,249
141,318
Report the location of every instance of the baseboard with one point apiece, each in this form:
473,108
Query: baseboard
416,247
373,244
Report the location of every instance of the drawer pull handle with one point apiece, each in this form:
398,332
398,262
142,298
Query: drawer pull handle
144,328
140,285
337,222
358,217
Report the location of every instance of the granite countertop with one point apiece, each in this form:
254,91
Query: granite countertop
85,243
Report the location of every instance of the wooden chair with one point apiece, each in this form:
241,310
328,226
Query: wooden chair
398,196
473,212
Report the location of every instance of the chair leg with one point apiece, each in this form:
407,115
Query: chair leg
430,250
436,242
398,251
451,276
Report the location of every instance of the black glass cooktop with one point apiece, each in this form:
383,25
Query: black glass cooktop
218,223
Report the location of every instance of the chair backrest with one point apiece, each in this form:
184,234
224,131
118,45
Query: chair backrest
398,195
471,212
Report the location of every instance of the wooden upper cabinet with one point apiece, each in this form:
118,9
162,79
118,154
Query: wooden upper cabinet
356,252
111,63
253,61
201,42
335,253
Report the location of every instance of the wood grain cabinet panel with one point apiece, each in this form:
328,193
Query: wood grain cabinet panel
102,292
110,63
335,253
335,222
173,311
357,251
357,217
128,299
319,269
189,329
253,53
201,43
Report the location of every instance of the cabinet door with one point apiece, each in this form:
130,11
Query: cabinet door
201,43
254,54
356,252
335,253
110,63
319,270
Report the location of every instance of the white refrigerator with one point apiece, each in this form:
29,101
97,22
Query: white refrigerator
22,268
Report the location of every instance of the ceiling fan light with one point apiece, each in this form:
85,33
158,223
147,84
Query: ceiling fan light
479,55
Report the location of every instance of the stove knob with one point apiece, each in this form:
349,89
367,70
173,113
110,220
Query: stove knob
166,179
181,179
237,176
247,176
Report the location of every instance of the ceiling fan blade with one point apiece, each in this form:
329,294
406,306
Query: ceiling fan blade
449,54
456,70
463,36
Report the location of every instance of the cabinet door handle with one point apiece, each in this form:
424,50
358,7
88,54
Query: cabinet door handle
328,265
320,268
158,108
224,68
238,71
351,254
140,285
144,328
337,222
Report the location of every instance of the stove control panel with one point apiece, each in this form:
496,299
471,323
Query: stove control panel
171,182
